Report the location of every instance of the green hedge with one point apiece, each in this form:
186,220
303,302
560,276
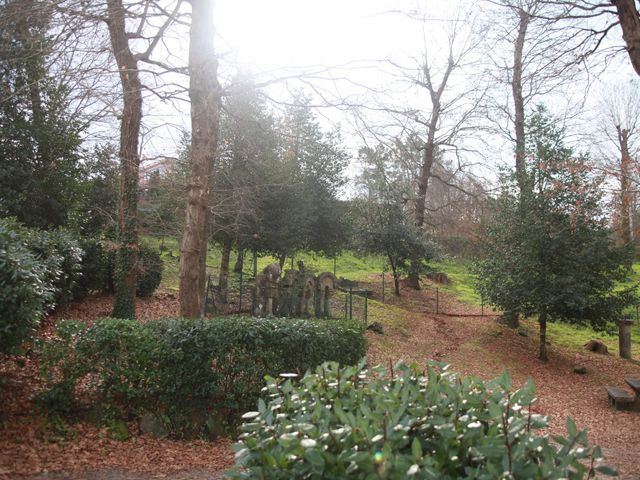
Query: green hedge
98,267
349,423
177,368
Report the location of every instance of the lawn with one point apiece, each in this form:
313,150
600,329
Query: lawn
347,264
570,336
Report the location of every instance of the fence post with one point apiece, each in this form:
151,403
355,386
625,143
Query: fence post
350,303
366,308
334,266
346,302
482,306
241,285
437,301
383,286
206,296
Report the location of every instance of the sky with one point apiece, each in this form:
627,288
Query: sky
355,38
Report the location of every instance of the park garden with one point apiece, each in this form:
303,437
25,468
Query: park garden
314,272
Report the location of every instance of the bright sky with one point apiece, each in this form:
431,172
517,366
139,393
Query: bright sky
275,35
304,32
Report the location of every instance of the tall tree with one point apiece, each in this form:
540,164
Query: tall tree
629,18
40,140
442,110
619,107
204,93
548,251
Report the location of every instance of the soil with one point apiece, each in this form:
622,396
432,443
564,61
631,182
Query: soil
33,447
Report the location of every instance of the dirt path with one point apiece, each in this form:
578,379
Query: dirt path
480,346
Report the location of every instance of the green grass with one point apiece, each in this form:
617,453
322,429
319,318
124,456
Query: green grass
567,335
347,264
462,280
361,268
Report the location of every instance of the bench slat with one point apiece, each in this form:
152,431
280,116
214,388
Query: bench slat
633,383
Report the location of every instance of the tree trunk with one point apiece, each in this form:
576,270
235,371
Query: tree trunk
518,100
204,93
281,260
542,320
223,279
127,254
630,23
396,276
237,268
625,188
428,156
421,200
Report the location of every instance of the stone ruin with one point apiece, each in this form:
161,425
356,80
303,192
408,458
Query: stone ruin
295,293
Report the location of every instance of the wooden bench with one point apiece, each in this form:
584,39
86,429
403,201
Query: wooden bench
619,398
634,383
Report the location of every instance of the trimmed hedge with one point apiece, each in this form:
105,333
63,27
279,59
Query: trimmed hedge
178,368
352,423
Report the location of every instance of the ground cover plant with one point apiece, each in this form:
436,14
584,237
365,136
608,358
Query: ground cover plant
340,422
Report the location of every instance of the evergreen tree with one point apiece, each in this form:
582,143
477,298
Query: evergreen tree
39,140
548,250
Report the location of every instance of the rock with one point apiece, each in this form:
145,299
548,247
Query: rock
151,425
376,327
596,346
580,369
439,277
118,430
215,426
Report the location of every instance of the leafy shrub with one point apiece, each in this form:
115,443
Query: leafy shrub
62,256
97,267
178,369
150,272
346,423
24,292
99,263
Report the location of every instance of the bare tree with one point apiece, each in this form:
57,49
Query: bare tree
204,93
620,107
445,109
543,57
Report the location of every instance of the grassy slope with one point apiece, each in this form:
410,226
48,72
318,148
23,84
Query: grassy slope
569,336
347,264
361,269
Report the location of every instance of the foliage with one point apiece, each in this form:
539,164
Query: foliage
150,273
96,211
296,171
382,228
98,267
24,291
39,137
547,250
62,256
178,368
348,422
